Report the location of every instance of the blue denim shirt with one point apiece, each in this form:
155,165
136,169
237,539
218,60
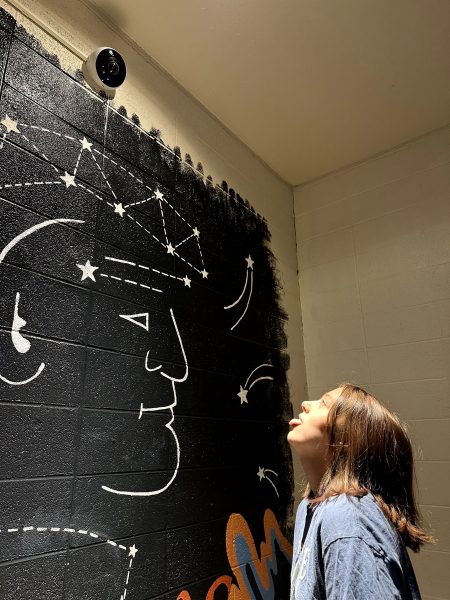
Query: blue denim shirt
351,552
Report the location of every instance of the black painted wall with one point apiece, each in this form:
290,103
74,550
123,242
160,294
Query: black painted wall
121,370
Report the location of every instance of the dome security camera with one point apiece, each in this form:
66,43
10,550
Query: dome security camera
104,70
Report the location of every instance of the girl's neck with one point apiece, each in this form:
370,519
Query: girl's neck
314,472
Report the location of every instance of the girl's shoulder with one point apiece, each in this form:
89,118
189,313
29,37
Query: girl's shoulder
346,516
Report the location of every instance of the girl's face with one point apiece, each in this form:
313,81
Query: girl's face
309,434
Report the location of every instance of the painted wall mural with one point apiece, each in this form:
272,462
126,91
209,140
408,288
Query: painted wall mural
143,387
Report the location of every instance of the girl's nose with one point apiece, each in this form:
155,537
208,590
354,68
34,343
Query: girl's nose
305,406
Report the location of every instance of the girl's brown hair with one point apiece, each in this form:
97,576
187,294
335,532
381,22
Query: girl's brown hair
370,452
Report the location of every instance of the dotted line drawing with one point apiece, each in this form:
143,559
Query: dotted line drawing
139,202
38,151
131,282
132,550
8,121
88,272
95,195
70,180
163,220
57,133
77,164
104,177
156,194
185,279
28,183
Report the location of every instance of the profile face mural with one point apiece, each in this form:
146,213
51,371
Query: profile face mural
142,368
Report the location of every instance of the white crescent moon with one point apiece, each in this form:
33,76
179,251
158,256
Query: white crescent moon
16,323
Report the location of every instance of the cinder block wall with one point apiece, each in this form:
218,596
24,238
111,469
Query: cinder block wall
143,426
374,271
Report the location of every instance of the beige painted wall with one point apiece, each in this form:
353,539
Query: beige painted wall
374,270
161,103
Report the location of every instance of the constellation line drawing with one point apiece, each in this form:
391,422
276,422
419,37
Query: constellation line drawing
185,279
132,550
262,475
170,407
119,207
250,264
243,390
88,272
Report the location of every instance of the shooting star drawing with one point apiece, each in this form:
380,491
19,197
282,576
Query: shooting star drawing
244,390
262,475
248,278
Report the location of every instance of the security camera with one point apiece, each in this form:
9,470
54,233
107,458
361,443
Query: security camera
104,70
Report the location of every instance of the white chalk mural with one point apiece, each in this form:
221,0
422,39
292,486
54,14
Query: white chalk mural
127,327
170,407
118,206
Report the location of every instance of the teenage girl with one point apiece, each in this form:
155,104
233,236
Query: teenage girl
358,513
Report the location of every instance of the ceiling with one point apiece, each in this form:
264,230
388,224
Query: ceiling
310,86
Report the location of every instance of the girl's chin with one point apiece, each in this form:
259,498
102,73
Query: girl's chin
293,436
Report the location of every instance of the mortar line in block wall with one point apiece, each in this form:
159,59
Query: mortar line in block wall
417,420
77,440
375,157
360,304
2,81
131,411
410,343
366,191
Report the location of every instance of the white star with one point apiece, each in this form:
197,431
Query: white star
10,125
260,473
170,248
243,394
86,145
68,179
119,209
88,271
187,281
204,274
196,232
133,551
158,194
250,262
